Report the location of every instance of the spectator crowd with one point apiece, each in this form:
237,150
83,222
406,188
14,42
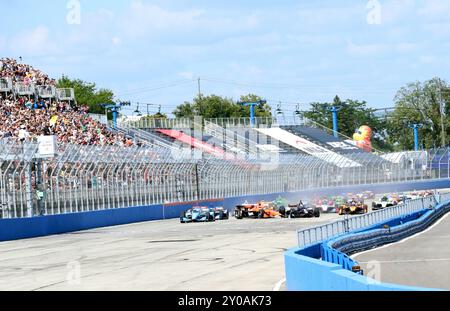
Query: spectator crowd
10,68
25,118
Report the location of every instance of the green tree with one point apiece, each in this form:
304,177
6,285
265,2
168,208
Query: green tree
352,114
420,102
213,106
262,110
87,93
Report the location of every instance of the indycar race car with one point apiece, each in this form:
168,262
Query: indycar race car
385,201
300,210
259,210
203,214
366,195
426,193
353,207
325,204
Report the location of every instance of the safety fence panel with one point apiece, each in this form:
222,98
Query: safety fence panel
67,94
6,85
89,178
25,89
46,91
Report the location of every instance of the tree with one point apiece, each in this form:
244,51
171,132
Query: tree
352,114
87,94
261,111
420,103
213,106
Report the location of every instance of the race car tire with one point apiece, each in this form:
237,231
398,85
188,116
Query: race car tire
282,211
317,213
238,214
221,215
261,214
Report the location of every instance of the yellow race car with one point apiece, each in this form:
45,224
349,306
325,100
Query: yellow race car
352,208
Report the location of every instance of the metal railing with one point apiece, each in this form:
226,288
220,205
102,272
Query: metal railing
46,91
66,94
6,85
24,89
311,236
151,123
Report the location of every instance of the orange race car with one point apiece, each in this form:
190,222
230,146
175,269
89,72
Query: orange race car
259,210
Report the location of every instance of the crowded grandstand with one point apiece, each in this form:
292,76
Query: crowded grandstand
26,117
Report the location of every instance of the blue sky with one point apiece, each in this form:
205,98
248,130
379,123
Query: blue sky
288,51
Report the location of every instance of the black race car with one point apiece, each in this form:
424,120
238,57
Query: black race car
299,210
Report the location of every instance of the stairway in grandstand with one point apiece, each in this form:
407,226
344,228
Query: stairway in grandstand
246,140
322,138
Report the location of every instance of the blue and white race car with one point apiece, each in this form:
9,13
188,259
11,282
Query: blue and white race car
203,214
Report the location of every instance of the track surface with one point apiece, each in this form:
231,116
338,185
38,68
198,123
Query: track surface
422,260
161,255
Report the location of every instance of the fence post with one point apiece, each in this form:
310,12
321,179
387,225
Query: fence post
29,190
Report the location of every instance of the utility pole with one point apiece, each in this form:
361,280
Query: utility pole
199,88
442,109
200,96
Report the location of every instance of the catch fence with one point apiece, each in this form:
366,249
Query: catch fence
90,178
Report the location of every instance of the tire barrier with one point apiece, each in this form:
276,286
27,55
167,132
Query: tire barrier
328,265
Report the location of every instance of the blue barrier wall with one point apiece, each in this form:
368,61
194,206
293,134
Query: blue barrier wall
305,271
13,229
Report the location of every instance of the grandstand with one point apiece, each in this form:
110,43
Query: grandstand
31,105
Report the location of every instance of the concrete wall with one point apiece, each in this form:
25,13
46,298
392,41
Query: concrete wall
13,229
304,273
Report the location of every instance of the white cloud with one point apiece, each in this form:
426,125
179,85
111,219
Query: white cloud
116,41
372,49
36,42
366,49
396,11
143,18
435,8
186,75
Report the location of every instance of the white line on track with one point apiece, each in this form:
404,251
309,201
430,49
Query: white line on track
404,240
278,285
412,260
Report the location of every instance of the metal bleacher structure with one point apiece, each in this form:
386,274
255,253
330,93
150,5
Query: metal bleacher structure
30,90
285,137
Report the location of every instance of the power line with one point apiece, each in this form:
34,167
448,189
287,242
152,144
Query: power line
146,90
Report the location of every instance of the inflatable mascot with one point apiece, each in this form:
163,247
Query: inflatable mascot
363,138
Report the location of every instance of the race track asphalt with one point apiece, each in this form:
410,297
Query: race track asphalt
422,260
162,255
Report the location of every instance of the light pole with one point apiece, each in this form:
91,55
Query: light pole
114,108
334,111
416,127
252,106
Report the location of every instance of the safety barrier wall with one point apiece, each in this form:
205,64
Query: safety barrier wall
336,250
322,233
13,229
305,271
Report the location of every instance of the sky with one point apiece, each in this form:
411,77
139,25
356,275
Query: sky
293,52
